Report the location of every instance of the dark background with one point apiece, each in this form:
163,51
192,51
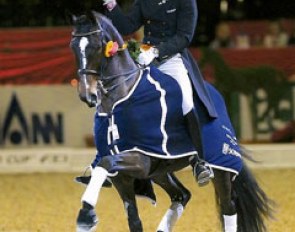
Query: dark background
36,13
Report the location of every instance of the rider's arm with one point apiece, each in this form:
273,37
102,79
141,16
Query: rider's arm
186,24
126,23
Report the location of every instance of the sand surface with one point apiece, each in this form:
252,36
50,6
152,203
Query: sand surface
50,202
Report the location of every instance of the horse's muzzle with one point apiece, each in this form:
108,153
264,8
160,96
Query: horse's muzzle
90,100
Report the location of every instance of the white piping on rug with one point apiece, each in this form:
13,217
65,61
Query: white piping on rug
164,111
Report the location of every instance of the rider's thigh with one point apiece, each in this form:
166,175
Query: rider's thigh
175,68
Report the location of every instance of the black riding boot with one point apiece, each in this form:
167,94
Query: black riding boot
202,173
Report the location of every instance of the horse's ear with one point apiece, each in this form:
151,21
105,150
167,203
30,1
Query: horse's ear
70,17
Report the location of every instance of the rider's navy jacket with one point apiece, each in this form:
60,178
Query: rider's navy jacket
169,25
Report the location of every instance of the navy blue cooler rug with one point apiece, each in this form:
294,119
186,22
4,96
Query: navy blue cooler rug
150,120
221,148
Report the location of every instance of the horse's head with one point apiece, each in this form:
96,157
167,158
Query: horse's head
93,47
87,45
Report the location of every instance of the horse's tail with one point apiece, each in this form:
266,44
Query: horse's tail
252,204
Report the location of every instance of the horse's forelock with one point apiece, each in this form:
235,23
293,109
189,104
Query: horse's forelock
84,23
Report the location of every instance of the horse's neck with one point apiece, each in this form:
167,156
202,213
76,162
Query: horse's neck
123,83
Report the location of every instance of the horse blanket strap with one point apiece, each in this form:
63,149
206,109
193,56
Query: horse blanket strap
113,136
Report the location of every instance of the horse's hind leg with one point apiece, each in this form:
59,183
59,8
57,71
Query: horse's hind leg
179,196
223,189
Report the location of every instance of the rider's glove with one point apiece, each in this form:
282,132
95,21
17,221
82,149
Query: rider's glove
147,56
110,4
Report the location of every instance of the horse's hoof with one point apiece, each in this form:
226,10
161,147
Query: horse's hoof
203,174
86,221
204,178
83,229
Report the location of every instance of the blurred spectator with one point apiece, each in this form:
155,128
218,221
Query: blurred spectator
257,41
276,36
223,37
242,41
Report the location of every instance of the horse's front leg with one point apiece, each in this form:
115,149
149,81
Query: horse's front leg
125,186
130,163
179,196
87,220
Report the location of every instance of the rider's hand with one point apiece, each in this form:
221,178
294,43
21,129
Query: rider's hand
146,57
110,4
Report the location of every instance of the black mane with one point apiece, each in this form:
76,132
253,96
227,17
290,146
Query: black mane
107,25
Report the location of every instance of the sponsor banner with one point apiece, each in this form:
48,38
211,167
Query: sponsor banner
35,116
45,160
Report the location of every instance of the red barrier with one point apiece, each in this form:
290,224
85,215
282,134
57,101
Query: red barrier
43,56
36,56
281,58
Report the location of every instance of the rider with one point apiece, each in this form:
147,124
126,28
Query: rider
169,28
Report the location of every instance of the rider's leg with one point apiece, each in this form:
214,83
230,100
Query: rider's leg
201,171
176,69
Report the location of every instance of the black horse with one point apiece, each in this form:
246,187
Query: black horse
243,205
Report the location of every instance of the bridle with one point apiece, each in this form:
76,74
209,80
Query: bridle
101,78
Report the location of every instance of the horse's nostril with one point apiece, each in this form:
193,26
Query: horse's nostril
89,99
93,97
93,100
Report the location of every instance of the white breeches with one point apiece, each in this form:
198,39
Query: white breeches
175,68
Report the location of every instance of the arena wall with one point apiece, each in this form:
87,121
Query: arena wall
45,129
77,159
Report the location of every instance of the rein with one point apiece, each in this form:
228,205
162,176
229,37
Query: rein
108,78
86,33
